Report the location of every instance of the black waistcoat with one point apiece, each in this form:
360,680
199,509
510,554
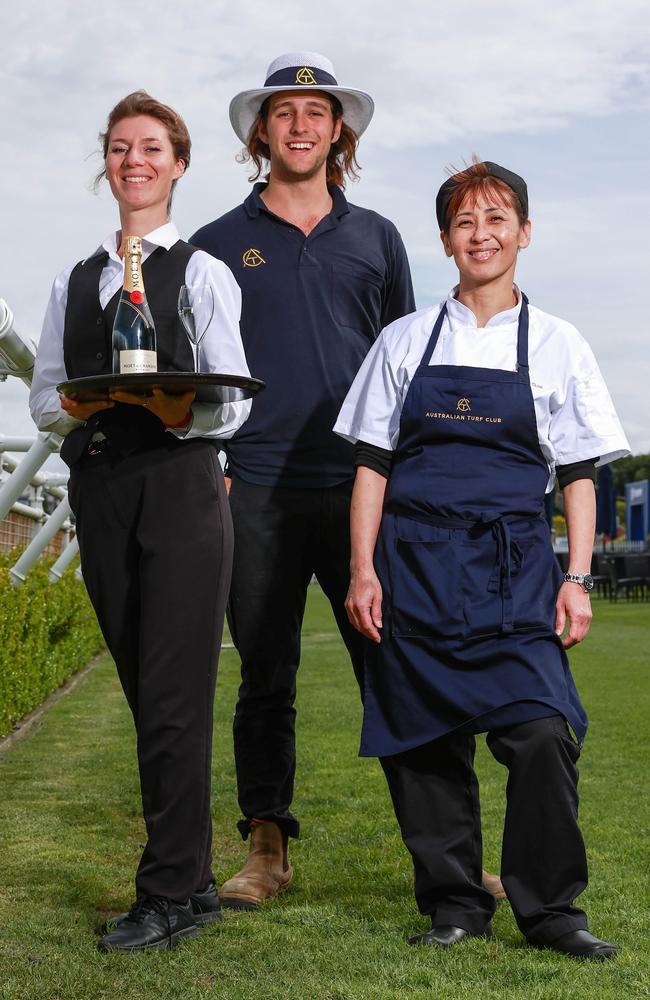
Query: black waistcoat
87,346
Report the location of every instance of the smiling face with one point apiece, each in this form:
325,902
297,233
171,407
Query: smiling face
141,166
484,237
299,131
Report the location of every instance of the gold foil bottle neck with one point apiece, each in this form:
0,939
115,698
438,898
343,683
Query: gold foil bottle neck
132,254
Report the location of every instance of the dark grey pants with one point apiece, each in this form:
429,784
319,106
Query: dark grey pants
543,865
155,537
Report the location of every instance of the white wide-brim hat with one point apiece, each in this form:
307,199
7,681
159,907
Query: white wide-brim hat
295,71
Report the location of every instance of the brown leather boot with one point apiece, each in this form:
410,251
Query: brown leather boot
494,885
267,871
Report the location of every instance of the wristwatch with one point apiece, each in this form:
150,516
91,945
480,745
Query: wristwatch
585,580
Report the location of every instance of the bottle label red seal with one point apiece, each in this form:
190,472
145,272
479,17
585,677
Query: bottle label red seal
136,297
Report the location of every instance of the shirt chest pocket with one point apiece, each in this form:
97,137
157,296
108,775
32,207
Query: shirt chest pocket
357,298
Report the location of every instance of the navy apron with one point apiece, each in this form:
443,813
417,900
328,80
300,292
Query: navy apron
466,565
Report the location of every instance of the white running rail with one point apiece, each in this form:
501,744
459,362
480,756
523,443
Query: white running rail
17,354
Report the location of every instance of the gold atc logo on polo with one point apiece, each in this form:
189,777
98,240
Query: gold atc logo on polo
463,412
252,257
306,77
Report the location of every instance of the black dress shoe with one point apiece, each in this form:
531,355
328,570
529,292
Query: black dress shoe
153,922
444,935
206,909
206,906
582,944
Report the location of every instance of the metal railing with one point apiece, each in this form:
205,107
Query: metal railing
17,355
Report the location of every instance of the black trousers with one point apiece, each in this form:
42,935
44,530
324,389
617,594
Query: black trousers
155,537
282,537
543,864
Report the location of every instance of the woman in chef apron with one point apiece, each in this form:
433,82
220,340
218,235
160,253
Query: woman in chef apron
462,415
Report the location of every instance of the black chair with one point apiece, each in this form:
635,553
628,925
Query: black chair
620,581
637,573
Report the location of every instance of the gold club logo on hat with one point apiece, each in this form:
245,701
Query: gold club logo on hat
305,76
292,71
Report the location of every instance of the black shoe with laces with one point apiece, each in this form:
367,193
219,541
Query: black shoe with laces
205,904
153,922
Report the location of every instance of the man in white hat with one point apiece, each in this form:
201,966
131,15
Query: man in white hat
320,278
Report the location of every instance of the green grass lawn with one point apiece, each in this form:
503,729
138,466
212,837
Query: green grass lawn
71,834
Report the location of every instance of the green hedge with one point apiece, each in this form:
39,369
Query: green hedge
48,631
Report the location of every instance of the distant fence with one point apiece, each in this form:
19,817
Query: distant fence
18,529
620,546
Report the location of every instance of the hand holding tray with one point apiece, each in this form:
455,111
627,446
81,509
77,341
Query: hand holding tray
209,388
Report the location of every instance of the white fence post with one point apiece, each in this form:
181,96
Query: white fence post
39,542
64,560
19,480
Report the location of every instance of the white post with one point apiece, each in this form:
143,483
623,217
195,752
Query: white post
39,542
16,350
64,560
15,443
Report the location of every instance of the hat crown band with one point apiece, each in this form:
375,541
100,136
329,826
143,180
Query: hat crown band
301,76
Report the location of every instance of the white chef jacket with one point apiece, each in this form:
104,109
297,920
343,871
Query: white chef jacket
575,415
221,348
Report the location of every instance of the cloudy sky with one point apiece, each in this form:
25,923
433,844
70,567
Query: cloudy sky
559,92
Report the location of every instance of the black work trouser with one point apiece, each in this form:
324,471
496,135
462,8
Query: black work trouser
543,863
155,537
283,536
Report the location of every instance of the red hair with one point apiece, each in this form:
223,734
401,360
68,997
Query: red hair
474,182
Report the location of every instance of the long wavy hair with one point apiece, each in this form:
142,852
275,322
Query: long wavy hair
341,160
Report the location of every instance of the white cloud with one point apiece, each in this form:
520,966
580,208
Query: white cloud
513,80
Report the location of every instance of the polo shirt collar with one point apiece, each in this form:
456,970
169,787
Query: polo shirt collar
254,204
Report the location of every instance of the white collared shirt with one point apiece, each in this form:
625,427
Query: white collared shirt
221,348
575,415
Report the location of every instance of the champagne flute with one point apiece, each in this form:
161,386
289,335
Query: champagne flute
195,309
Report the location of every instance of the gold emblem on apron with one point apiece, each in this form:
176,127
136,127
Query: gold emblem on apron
463,405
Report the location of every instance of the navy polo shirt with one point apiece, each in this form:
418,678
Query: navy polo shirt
311,308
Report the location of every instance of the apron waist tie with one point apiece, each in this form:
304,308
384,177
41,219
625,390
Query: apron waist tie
508,556
508,563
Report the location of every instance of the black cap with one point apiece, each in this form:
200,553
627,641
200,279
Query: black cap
514,181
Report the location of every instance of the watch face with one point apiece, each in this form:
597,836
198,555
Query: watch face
588,582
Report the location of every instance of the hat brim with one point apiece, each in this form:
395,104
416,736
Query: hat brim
358,107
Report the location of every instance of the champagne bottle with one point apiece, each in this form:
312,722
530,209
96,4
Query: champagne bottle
134,333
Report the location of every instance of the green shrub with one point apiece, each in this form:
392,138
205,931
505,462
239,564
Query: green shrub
47,632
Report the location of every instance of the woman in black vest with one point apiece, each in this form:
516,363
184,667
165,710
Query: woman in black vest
153,522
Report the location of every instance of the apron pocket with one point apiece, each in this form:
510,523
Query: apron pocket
534,591
532,604
426,598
